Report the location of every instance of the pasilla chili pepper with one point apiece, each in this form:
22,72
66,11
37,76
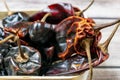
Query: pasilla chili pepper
38,34
13,17
18,67
43,36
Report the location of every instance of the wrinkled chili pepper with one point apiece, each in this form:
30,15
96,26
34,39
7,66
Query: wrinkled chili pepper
3,71
59,11
30,67
13,18
83,42
32,33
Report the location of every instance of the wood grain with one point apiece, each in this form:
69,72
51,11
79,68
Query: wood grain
106,74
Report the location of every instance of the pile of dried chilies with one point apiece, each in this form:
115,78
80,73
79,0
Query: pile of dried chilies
58,40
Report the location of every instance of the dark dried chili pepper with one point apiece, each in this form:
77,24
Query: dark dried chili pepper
59,11
39,35
21,58
17,67
3,71
13,18
43,36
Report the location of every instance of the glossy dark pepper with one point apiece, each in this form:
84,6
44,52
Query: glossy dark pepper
42,35
3,71
59,12
30,67
14,18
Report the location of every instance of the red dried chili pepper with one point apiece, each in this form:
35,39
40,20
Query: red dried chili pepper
59,11
84,42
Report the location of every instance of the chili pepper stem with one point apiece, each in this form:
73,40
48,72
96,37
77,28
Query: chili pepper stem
45,17
21,56
87,43
9,12
6,39
104,46
101,26
81,12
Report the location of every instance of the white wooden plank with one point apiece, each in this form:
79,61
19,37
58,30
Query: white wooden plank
106,74
114,47
100,8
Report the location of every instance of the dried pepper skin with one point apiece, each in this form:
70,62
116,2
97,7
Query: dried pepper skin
43,36
30,67
73,65
4,48
59,11
14,18
76,64
71,28
20,28
3,71
74,58
38,34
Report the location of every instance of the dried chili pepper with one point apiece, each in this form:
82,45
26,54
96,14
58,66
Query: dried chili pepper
39,35
3,71
13,18
82,42
21,58
59,11
18,67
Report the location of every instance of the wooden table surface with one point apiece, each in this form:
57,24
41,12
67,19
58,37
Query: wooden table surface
102,11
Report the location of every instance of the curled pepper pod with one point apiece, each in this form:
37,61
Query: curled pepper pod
13,18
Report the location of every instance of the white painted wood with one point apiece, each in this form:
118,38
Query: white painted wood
100,8
106,74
